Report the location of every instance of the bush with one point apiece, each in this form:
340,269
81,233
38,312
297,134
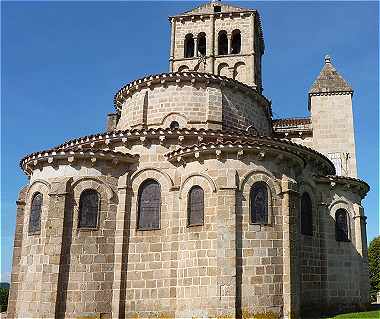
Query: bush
374,266
4,292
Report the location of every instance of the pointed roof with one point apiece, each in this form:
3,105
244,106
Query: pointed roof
208,8
329,80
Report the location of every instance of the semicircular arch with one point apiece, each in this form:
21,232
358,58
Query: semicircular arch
210,182
260,175
108,190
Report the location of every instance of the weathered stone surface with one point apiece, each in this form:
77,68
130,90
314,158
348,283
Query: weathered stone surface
228,265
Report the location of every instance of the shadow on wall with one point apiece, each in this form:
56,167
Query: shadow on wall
63,276
333,275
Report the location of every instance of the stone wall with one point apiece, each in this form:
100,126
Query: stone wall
195,106
225,265
333,129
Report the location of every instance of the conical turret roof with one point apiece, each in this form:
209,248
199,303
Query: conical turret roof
329,80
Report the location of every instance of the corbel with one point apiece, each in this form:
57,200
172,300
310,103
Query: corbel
261,155
218,154
240,154
162,139
181,139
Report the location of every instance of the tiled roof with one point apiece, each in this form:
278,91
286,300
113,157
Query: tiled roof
90,142
186,76
329,80
291,122
208,8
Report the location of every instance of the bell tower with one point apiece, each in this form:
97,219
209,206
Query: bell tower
220,39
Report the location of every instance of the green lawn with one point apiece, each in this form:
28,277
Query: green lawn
354,315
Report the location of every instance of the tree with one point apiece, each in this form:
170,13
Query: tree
3,299
374,266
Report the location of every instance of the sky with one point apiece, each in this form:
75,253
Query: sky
62,62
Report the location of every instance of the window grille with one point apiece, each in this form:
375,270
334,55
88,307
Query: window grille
149,203
35,214
88,209
195,206
341,225
259,203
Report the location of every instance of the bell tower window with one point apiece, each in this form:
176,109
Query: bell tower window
189,46
222,43
202,43
236,42
217,9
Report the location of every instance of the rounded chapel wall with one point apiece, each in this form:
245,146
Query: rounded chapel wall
195,105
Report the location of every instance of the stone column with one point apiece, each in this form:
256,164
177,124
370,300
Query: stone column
172,44
195,45
52,290
211,46
229,37
324,216
291,280
17,246
361,247
252,49
360,230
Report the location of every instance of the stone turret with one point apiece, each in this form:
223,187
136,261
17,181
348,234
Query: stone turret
220,39
330,103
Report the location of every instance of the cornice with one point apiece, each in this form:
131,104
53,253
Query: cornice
181,136
260,145
51,157
176,78
349,183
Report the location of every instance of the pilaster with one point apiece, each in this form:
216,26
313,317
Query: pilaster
291,278
361,247
17,246
53,249
121,250
226,250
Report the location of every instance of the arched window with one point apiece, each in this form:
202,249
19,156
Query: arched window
149,204
222,43
174,125
236,42
259,203
202,43
306,215
183,68
341,225
223,69
35,214
88,209
189,46
195,206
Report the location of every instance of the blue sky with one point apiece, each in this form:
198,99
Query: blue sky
63,61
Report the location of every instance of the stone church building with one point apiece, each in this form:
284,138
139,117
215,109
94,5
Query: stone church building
195,202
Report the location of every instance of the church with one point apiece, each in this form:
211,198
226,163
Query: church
196,202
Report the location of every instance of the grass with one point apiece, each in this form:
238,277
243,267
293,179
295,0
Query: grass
368,314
